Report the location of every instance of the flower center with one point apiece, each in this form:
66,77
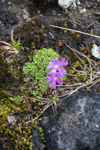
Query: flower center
55,78
56,66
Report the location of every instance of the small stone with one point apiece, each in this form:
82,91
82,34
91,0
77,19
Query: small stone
65,4
28,19
90,16
12,119
58,14
38,12
25,11
97,126
9,3
96,51
74,5
78,2
25,17
82,11
26,14
97,13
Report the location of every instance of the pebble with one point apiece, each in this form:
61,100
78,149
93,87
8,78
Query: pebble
9,3
82,11
97,13
38,12
28,19
26,14
74,5
65,4
12,119
78,2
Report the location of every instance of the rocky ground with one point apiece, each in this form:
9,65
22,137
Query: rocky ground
14,13
30,20
76,128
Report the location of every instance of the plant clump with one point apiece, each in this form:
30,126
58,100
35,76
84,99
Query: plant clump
37,70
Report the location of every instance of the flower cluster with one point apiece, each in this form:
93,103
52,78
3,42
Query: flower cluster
57,72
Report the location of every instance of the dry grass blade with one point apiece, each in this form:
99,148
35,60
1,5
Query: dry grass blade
91,63
93,78
96,36
3,47
3,42
67,94
7,48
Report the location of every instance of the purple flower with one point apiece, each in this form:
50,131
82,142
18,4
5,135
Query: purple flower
56,64
54,79
61,71
57,72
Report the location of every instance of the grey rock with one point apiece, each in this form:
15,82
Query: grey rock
65,4
13,119
76,128
36,140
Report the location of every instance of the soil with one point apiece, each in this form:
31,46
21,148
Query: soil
28,22
14,13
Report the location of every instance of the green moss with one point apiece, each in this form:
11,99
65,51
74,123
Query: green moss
18,136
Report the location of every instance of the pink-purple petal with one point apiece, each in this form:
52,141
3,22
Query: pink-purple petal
52,72
63,59
63,63
49,78
53,84
59,81
50,65
62,71
58,75
55,60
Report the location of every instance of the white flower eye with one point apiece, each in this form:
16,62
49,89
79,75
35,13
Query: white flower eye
56,66
96,51
55,78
